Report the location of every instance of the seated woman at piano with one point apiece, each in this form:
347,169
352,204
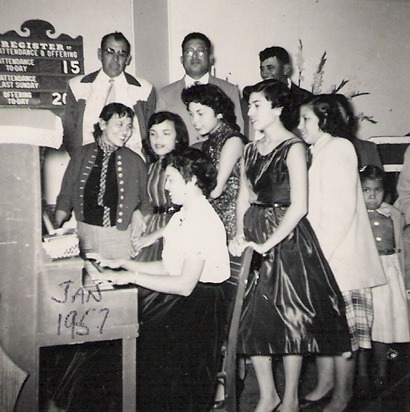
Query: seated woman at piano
105,183
181,299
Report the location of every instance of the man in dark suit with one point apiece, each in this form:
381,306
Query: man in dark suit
275,64
197,59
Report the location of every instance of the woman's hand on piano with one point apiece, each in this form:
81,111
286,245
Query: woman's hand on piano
118,277
112,263
139,243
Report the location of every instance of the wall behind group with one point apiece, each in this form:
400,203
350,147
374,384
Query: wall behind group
363,40
365,43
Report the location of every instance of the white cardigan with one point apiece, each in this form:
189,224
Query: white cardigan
338,215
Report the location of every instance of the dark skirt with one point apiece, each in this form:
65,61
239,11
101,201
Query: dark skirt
179,349
292,303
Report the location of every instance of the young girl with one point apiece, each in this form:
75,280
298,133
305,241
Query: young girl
105,185
390,323
337,213
166,133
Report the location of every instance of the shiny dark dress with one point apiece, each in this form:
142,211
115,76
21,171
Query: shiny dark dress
163,209
225,205
292,304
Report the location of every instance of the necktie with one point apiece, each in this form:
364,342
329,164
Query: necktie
103,177
196,82
110,93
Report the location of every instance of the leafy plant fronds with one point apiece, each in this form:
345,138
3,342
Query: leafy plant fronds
342,84
356,94
362,117
318,75
300,60
317,81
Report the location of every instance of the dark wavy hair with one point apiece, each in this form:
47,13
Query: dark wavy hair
108,111
117,36
193,162
277,93
372,172
347,111
182,137
332,119
212,96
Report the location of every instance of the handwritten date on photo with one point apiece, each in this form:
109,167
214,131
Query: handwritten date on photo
80,322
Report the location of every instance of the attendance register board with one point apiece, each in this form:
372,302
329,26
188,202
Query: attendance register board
35,68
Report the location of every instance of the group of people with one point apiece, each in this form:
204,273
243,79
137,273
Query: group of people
172,191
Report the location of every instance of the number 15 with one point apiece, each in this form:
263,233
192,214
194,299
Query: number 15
72,66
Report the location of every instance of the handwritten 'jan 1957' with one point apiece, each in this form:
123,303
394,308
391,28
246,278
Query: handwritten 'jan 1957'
78,294
78,322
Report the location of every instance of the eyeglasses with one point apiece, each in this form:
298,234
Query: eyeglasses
111,52
200,51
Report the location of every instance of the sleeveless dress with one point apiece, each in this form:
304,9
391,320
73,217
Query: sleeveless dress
225,205
292,303
163,210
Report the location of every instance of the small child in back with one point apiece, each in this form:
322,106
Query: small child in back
391,323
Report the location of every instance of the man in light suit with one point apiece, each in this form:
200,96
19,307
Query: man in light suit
197,59
88,94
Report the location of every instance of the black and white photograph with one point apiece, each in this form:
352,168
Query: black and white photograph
204,206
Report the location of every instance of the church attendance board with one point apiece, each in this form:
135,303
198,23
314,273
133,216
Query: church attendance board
35,68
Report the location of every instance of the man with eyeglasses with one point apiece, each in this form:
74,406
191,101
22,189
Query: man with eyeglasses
197,59
88,94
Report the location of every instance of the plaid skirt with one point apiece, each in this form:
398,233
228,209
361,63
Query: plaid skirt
359,314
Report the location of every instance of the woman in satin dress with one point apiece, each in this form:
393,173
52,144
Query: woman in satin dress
292,304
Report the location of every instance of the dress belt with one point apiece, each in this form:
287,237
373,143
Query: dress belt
163,210
264,205
386,252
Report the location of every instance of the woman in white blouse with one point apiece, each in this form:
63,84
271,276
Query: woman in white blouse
180,297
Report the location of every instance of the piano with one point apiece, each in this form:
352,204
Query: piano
44,302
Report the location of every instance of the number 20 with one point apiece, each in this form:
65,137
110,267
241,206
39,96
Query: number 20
59,99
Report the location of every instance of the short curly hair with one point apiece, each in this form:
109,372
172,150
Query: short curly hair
212,96
108,112
193,162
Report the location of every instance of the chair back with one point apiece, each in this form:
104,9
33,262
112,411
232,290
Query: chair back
230,361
